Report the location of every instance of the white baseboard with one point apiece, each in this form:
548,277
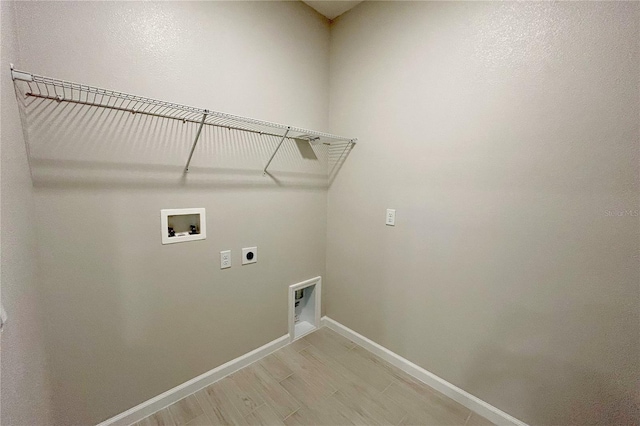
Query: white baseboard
171,396
473,403
167,398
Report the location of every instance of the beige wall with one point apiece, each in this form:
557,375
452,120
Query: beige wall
129,318
24,387
506,136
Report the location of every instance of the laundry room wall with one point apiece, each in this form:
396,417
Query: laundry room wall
127,317
505,135
25,380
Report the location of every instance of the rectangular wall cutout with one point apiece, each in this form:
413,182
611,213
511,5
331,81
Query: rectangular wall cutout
180,225
304,307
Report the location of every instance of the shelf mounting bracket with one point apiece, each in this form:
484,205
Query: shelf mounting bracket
195,141
264,172
19,75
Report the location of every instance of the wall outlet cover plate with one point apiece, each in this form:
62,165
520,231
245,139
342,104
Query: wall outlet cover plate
391,217
249,255
225,259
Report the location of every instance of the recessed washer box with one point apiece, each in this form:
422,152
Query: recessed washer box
181,225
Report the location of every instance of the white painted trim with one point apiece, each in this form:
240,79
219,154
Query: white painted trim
171,396
164,223
473,403
317,282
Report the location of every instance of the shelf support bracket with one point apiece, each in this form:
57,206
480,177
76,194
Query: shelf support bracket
19,75
195,142
264,172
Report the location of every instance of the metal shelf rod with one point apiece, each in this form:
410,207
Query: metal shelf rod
195,142
264,172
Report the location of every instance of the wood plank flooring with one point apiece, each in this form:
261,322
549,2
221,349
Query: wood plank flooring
321,379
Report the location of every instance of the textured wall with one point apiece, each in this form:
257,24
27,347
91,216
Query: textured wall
24,389
128,317
506,136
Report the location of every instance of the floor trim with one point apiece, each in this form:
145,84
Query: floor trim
167,398
473,403
171,396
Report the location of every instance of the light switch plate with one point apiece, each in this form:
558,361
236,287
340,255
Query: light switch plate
391,217
225,259
249,255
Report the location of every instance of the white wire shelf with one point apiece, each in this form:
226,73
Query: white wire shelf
66,91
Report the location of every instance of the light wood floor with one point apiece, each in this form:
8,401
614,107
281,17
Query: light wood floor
321,379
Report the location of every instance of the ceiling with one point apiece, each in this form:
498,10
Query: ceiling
332,8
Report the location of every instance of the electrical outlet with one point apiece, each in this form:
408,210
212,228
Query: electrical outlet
249,255
391,217
225,259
